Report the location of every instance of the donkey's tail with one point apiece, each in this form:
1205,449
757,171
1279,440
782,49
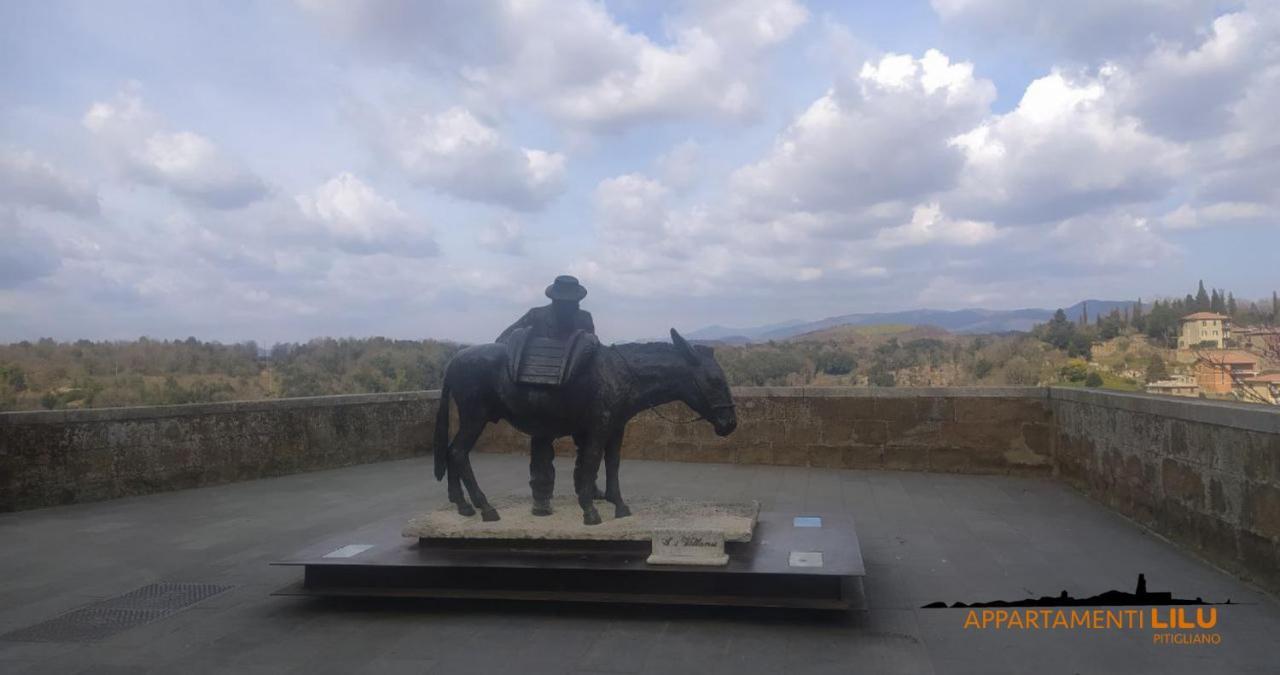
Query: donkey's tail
440,444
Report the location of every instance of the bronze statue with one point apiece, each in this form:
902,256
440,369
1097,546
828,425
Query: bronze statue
549,378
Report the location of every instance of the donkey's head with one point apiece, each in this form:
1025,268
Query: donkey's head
706,391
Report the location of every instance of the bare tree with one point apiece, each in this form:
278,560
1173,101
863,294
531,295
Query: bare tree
1219,360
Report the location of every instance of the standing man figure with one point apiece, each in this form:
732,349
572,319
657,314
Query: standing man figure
557,320
560,318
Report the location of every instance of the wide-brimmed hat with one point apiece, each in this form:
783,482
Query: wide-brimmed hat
566,288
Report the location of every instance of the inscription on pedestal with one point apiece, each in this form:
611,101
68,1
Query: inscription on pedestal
688,547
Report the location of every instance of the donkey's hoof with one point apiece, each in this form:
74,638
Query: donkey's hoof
541,508
489,515
465,509
621,511
591,517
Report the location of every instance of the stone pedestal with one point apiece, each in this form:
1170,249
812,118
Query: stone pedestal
771,559
732,521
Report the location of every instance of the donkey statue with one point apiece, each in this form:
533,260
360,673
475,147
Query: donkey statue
593,406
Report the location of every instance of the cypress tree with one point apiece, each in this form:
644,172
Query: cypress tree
1202,302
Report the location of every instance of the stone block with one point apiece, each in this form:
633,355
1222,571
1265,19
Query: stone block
958,460
897,409
1217,539
906,457
680,452
1226,496
802,432
1038,437
1260,558
936,408
843,407
755,453
913,433
860,456
1262,458
985,436
1182,482
788,454
1260,513
1177,522
714,453
826,456
1010,411
875,432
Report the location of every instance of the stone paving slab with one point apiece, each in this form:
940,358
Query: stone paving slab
926,537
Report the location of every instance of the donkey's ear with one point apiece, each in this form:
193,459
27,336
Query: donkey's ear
685,348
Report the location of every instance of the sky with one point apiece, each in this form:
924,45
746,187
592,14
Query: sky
277,171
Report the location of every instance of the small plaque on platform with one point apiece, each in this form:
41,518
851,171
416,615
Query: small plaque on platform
688,547
348,551
806,559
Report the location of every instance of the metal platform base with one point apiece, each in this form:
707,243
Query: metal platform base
800,561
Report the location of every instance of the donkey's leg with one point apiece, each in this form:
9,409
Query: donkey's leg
455,476
613,488
460,463
585,476
542,473
580,440
456,496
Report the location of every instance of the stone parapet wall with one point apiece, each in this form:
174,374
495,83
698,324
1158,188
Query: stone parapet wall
1203,474
978,430
67,456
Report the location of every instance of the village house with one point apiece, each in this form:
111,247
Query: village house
1203,329
1178,385
1218,371
1257,338
1262,388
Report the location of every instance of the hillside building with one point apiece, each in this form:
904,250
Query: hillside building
1218,371
1204,329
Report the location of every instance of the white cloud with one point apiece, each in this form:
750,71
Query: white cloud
880,138
359,220
632,206
929,225
1065,150
574,60
28,181
682,166
504,235
457,153
1191,91
1187,217
184,162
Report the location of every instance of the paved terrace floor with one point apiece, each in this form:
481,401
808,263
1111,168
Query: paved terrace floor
925,537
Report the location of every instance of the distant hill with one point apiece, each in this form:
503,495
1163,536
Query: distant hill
955,321
873,334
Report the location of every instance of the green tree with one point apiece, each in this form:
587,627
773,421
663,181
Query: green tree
1080,346
1202,302
880,376
1093,379
1157,369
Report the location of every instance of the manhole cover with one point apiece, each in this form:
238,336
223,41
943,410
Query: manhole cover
107,617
